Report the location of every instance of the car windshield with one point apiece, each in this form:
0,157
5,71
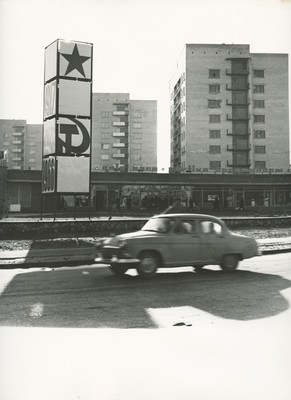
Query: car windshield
161,225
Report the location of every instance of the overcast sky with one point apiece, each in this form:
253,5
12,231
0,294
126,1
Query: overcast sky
136,45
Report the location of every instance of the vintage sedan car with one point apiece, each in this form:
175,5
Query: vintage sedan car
176,240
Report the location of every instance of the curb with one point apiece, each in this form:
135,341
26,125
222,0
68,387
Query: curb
77,259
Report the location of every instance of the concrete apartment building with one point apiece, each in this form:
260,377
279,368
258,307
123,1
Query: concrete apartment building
124,133
21,143
124,136
229,110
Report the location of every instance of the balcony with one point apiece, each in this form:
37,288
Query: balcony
118,155
118,145
118,113
229,164
237,117
237,134
118,134
230,103
119,123
237,87
237,72
238,149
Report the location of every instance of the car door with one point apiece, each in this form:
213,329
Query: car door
212,239
186,243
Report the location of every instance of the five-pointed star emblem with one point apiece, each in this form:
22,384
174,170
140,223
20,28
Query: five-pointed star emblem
75,61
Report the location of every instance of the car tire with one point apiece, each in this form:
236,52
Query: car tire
229,262
118,269
149,263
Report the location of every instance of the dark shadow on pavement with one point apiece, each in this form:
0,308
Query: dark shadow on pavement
94,298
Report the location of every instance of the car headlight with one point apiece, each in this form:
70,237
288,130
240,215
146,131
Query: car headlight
122,243
98,244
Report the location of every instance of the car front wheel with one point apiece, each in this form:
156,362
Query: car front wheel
229,262
118,269
149,263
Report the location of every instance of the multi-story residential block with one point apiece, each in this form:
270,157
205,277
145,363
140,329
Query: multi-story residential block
229,110
124,133
21,143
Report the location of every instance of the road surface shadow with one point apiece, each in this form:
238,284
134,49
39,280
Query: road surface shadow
93,297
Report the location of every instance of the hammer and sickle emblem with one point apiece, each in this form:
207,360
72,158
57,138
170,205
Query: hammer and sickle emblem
66,146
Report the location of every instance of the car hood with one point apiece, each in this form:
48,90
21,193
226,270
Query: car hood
138,234
237,236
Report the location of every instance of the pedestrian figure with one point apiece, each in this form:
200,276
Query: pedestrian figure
225,203
241,204
216,203
191,203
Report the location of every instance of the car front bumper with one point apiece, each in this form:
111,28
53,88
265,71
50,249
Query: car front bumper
116,259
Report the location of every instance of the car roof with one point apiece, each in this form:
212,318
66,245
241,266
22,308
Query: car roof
188,215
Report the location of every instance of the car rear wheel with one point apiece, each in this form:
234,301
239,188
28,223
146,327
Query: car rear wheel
118,269
149,263
229,262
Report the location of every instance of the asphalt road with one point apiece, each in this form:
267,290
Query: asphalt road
83,333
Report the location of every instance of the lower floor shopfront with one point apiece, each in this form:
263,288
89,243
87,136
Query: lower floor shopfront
138,192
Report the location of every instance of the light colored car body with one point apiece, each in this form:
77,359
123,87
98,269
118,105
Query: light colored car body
174,240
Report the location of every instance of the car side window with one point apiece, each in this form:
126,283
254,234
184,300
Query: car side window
210,228
186,226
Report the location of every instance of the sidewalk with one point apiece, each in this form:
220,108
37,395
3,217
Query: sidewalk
67,256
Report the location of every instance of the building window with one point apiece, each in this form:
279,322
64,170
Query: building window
6,135
214,134
18,128
259,103
259,89
105,114
137,136
137,114
104,125
137,157
259,118
215,165
214,89
260,164
259,73
104,157
214,73
214,118
214,103
136,146
213,149
136,125
260,134
105,135
260,149
105,146
31,151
